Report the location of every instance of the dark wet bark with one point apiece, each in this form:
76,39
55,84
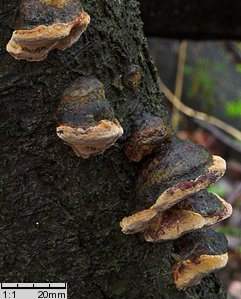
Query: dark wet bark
192,19
60,214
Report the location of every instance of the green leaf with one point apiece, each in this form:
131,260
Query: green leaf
238,250
218,190
233,108
229,230
238,68
188,70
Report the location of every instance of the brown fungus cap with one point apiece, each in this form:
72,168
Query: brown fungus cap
149,134
132,78
178,161
86,120
180,170
199,210
200,253
182,190
84,103
44,25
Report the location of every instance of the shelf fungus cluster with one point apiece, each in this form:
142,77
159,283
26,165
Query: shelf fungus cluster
172,202
44,25
86,120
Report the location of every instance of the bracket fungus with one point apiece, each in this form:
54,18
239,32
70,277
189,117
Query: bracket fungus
132,78
199,253
149,134
44,25
86,120
173,203
199,210
178,171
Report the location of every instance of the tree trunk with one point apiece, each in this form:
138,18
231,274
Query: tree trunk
190,19
60,214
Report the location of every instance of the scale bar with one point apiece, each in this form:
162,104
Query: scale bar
39,286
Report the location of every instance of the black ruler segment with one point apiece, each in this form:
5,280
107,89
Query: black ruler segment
34,286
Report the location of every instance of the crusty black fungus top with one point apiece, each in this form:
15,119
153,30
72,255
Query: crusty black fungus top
203,203
33,13
205,241
84,104
177,162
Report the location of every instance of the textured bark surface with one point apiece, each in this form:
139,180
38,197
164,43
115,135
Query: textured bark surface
60,214
192,19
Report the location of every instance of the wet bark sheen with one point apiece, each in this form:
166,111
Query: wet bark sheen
60,214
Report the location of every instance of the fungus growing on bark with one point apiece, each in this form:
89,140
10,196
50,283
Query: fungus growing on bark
44,25
132,78
199,253
179,170
86,120
149,134
199,210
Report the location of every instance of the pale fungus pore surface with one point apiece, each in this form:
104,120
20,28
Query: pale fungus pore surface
200,253
46,25
87,122
91,141
189,273
56,3
138,221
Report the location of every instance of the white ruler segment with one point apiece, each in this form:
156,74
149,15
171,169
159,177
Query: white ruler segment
33,290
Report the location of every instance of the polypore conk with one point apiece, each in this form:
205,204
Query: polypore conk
86,120
200,253
149,134
138,222
179,170
199,210
44,25
132,78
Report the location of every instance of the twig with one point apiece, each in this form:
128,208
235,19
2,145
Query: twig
220,135
179,81
197,114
